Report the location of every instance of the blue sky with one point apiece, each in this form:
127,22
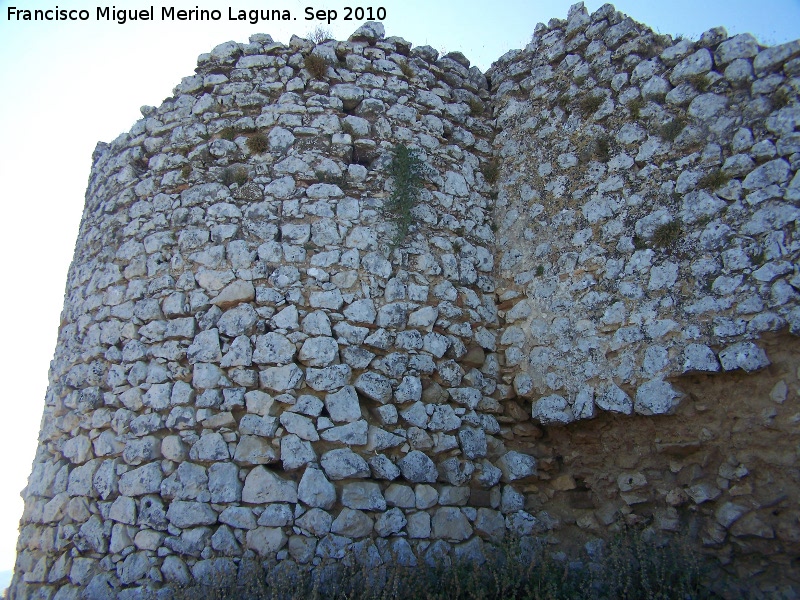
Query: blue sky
67,85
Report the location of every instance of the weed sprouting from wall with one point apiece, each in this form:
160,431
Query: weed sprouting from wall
237,175
631,565
635,106
670,130
407,69
258,144
667,234
563,101
316,65
700,82
602,148
476,107
781,98
407,171
491,170
590,104
227,133
713,180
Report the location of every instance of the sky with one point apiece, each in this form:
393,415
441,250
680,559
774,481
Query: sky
66,85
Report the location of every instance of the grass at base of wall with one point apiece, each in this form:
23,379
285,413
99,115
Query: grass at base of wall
630,566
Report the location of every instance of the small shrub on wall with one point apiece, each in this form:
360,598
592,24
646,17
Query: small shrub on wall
407,171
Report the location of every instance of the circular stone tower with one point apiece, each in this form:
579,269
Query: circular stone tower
264,351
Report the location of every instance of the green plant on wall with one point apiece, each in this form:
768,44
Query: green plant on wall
407,171
227,133
672,129
491,170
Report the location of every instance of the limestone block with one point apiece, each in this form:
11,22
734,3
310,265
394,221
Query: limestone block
344,464
296,452
143,480
211,447
744,355
318,351
390,523
363,496
265,541
273,348
656,397
374,386
184,514
254,450
516,465
315,490
352,523
610,397
263,487
695,64
450,523
316,521
416,467
552,410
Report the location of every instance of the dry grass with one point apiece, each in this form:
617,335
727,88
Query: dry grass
316,66
713,180
320,35
237,175
635,107
699,82
227,133
781,98
602,148
670,130
258,143
491,170
476,107
563,102
667,235
406,68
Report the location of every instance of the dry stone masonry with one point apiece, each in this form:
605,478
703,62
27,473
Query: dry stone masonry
647,206
250,367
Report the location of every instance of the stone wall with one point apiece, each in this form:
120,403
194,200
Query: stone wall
251,366
648,209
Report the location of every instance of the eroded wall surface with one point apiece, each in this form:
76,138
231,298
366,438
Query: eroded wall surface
250,367
647,211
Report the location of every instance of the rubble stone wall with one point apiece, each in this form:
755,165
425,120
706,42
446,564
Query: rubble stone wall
252,363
